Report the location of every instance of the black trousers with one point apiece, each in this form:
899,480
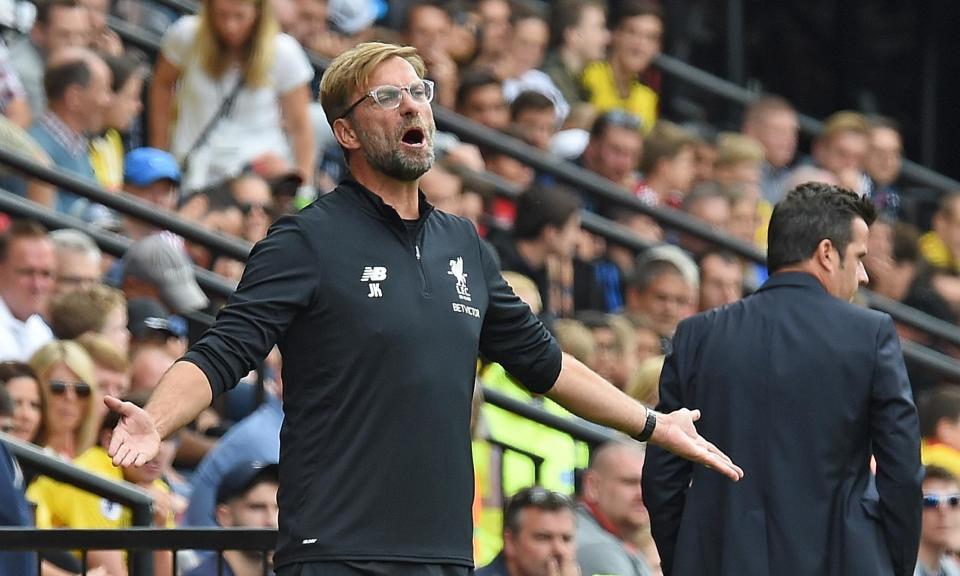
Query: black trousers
365,568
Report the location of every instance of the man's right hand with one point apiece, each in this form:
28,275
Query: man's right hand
135,440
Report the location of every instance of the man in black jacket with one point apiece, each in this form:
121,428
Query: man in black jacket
379,305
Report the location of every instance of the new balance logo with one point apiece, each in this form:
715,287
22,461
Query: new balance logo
374,274
375,291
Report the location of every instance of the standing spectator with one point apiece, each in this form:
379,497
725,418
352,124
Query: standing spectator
29,403
941,520
79,261
27,271
126,103
612,516
773,121
59,24
77,84
667,166
244,89
539,532
578,37
616,82
882,164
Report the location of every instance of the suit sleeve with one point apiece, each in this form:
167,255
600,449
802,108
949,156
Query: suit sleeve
666,477
896,445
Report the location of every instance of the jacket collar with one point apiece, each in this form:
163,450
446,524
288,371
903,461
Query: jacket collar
796,279
375,205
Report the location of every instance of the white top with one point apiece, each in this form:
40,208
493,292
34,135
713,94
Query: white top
537,81
254,126
19,340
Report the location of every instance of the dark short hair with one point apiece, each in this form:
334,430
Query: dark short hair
539,207
648,271
124,66
46,7
533,497
529,100
725,256
939,404
633,9
471,81
938,473
615,117
810,213
18,230
567,14
60,77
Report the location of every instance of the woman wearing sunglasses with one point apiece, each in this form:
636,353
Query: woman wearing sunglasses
66,375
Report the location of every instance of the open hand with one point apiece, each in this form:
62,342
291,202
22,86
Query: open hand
676,432
135,439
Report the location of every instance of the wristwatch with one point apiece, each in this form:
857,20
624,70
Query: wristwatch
648,427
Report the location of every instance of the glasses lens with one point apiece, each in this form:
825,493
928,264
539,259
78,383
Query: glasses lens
82,389
421,91
387,96
953,501
58,387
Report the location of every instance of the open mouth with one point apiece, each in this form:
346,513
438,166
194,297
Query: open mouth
414,137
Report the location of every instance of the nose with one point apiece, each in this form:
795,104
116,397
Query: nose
862,275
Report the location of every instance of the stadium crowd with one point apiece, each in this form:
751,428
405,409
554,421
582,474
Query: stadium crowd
233,137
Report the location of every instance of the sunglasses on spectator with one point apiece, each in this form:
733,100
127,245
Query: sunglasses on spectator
59,388
388,97
941,501
248,207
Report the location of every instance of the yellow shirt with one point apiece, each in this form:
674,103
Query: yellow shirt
106,157
937,253
641,101
938,454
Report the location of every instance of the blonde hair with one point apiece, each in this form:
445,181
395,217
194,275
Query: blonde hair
351,70
665,142
103,352
258,51
844,121
77,360
734,148
525,289
644,384
575,339
85,310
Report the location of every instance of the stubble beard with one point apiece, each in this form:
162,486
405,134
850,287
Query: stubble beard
393,160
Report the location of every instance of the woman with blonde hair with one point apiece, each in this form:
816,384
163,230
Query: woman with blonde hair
644,384
66,374
240,88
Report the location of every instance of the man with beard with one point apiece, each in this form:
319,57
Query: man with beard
379,305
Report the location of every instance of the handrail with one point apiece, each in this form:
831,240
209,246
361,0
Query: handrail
123,493
107,241
140,538
127,204
591,435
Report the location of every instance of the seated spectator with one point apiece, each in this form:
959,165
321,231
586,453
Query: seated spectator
578,37
14,508
617,82
614,150
611,518
79,261
667,166
644,386
26,394
664,288
107,150
721,279
102,39
228,114
254,198
96,310
575,339
940,247
151,325
538,536
841,148
61,505
77,84
882,165
646,336
428,29
614,357
283,178
773,122
246,498
709,203
153,268
110,367
533,115
941,519
147,365
312,30
494,32
152,176
480,98
13,98
893,264
27,269
69,385
939,411
739,161
519,70
17,140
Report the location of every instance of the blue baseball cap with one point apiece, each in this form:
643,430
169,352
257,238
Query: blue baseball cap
144,166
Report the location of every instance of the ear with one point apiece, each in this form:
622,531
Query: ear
345,133
590,489
223,515
825,255
508,546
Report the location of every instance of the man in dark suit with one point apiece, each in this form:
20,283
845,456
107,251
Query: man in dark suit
800,387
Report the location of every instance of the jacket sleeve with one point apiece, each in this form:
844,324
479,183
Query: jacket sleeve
666,477
895,433
280,280
513,337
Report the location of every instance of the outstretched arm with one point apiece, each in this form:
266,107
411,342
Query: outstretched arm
585,393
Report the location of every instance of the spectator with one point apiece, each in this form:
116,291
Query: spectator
578,37
107,150
882,164
739,161
77,85
614,149
246,498
667,166
480,98
531,34
662,290
940,428
614,351
312,29
616,83
102,39
13,97
155,269
153,176
78,261
96,310
151,325
611,516
284,180
534,116
443,188
255,200
773,122
941,519
746,221
940,247
70,387
16,139
428,30
236,75
841,148
646,336
709,203
27,269
59,24
21,384
14,508
644,384
894,262
538,536
721,279
147,365
110,367
494,31
575,339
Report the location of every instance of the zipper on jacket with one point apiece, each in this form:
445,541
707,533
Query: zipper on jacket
424,286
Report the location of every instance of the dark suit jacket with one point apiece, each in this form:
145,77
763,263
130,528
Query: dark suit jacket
799,388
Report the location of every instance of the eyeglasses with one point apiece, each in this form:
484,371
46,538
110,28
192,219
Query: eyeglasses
620,118
59,388
951,501
388,97
539,497
248,207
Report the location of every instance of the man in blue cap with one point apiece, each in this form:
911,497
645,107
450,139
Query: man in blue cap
153,176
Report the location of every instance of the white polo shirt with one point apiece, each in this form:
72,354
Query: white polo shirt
19,340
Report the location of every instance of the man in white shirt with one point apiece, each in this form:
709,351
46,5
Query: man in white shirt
27,273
